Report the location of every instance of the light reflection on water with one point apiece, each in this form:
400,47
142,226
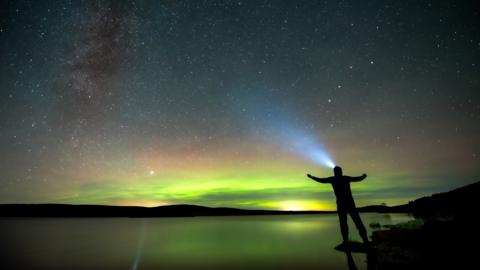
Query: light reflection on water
255,242
140,244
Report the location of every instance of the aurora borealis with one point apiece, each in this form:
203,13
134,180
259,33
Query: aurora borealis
206,102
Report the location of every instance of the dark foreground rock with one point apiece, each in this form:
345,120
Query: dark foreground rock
436,243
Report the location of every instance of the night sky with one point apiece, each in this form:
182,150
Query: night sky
231,103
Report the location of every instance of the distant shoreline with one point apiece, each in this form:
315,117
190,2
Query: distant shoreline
182,210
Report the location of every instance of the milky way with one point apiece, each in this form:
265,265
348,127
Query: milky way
100,46
223,103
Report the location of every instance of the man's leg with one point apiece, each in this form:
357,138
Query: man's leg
358,222
342,217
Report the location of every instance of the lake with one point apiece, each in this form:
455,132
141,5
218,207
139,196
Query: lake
239,242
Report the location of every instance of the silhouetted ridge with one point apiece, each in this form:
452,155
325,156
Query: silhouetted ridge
458,201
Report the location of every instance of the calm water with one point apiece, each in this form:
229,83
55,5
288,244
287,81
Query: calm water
246,242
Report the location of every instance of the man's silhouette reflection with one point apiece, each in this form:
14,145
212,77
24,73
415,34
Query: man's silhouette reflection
350,262
345,202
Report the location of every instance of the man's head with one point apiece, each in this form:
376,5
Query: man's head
337,171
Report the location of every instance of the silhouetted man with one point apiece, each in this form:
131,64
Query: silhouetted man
345,203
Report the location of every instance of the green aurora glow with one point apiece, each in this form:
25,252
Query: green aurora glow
153,103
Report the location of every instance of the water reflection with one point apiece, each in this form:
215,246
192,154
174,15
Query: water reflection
141,238
255,242
350,262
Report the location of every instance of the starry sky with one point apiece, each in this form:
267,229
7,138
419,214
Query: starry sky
221,103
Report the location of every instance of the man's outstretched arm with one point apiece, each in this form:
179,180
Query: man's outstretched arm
320,180
357,178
